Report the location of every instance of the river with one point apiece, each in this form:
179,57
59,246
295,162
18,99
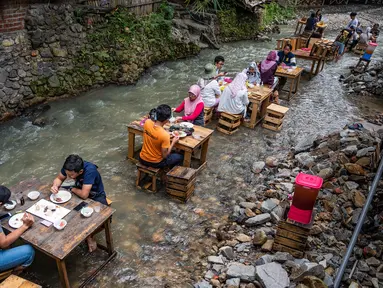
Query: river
160,241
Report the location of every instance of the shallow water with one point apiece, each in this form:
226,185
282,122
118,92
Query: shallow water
159,241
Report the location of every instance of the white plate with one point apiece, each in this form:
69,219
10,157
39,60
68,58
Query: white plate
10,206
63,194
15,221
181,134
186,124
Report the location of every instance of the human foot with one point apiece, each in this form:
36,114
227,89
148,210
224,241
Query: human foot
92,244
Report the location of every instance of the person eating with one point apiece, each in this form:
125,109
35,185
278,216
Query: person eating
252,72
267,70
209,86
285,58
88,184
156,150
234,98
20,257
193,107
219,61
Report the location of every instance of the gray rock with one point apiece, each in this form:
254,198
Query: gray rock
59,52
268,205
349,140
304,145
355,215
272,275
305,159
272,161
46,53
329,281
350,150
289,187
307,269
94,68
362,266
239,270
282,257
372,261
326,173
218,268
21,73
258,220
284,173
3,75
242,247
203,284
233,283
228,252
258,167
362,152
351,185
209,274
375,282
249,205
54,81
215,259
40,121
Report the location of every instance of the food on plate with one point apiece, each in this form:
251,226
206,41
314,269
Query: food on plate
58,199
37,207
62,223
45,209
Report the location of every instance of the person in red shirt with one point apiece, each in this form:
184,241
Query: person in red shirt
193,107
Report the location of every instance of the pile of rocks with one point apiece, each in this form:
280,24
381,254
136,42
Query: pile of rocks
244,255
366,83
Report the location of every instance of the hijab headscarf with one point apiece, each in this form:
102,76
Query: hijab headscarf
191,105
253,76
270,61
238,84
5,194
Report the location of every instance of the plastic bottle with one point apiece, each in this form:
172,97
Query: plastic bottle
262,87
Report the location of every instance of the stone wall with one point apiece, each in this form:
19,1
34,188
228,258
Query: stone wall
60,53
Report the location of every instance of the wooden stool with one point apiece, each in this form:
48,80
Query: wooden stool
5,274
181,183
300,25
274,117
360,48
154,173
283,41
229,123
367,62
291,238
208,114
14,281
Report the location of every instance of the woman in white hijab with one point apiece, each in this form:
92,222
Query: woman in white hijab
252,73
234,98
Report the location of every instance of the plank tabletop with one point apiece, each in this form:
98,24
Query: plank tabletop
288,72
49,240
256,93
14,281
187,141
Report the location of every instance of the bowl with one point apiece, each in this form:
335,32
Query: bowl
186,125
60,224
33,195
196,136
87,211
10,206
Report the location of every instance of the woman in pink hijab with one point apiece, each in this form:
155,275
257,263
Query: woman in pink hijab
234,98
192,107
267,68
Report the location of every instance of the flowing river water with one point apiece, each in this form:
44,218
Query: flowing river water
160,241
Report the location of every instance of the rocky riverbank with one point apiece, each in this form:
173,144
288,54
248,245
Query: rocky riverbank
242,254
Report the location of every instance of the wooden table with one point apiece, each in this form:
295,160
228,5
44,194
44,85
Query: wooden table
317,63
58,244
259,100
294,75
187,144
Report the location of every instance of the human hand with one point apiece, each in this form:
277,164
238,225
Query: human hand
175,139
222,74
28,220
178,119
173,109
55,189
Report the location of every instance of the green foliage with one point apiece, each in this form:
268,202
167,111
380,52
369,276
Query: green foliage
202,6
237,25
274,12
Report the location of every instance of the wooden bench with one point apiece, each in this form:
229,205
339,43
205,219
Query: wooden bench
229,123
208,114
180,183
274,117
14,281
142,172
291,238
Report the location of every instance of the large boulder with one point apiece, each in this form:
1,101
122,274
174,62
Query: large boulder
272,275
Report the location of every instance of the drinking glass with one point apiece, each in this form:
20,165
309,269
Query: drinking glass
97,208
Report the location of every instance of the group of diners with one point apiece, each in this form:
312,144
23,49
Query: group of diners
157,150
88,184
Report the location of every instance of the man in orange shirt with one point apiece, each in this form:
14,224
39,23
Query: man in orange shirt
156,150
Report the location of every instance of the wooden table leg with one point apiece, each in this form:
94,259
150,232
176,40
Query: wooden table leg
204,148
318,66
253,117
312,69
131,142
291,88
108,237
264,106
297,84
187,158
63,274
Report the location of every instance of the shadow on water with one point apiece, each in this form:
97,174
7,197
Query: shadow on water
158,240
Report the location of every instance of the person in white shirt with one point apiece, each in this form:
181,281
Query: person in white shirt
234,98
210,91
354,21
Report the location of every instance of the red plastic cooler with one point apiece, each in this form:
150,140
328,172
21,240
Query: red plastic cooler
306,191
